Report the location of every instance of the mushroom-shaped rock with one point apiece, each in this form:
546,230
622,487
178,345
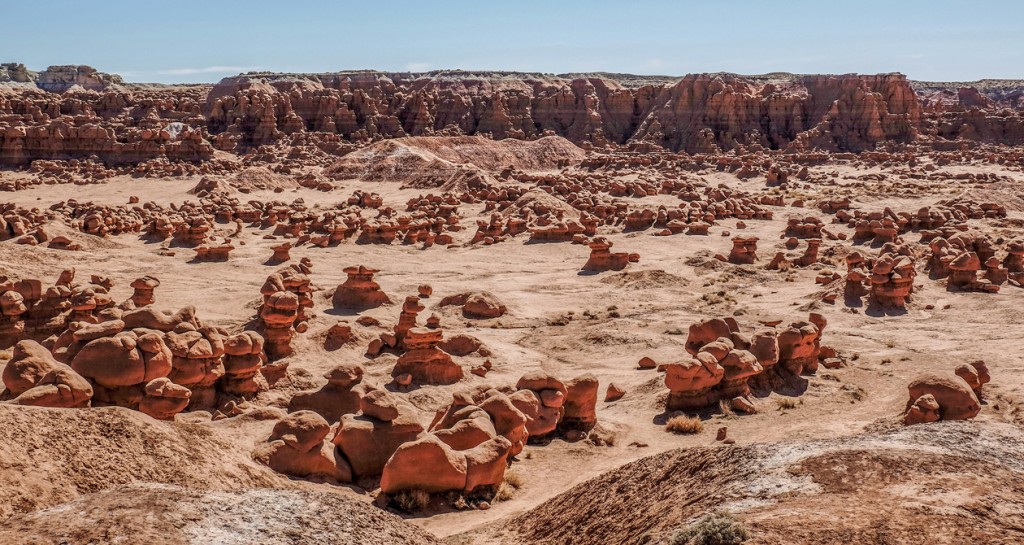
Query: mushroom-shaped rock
243,360
744,250
739,366
163,399
198,362
425,361
359,291
690,382
282,253
580,403
278,315
602,259
143,294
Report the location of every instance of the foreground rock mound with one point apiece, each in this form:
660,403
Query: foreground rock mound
763,486
176,515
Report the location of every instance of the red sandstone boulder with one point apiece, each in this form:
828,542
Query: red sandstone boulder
359,291
341,395
297,447
580,403
482,306
164,399
368,442
426,464
954,396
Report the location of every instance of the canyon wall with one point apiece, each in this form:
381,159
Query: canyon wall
97,116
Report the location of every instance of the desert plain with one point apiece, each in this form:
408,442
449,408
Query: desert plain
475,308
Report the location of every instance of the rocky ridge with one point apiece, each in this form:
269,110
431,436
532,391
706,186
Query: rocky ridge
75,112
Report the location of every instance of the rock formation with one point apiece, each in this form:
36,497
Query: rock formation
722,360
424,361
34,377
936,397
744,250
476,305
359,291
243,362
341,395
369,439
297,447
163,399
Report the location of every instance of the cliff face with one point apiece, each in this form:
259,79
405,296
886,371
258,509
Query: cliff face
113,126
696,113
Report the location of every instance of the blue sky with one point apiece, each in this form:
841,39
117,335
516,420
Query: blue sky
190,41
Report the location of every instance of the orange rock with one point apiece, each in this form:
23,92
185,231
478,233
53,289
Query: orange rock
954,396
425,464
297,447
613,393
359,291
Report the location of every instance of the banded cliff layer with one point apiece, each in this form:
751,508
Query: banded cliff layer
703,113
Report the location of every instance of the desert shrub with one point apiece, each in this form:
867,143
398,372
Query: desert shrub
684,424
561,320
513,479
786,403
411,501
602,437
712,529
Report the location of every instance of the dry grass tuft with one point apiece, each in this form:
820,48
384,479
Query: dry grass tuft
726,408
684,424
786,403
411,501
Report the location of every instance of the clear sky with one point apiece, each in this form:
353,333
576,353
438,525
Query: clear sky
202,41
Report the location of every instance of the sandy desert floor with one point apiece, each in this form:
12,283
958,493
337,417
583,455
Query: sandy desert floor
565,322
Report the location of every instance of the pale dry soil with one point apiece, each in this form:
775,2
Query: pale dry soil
569,323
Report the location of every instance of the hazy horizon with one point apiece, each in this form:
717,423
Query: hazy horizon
203,42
